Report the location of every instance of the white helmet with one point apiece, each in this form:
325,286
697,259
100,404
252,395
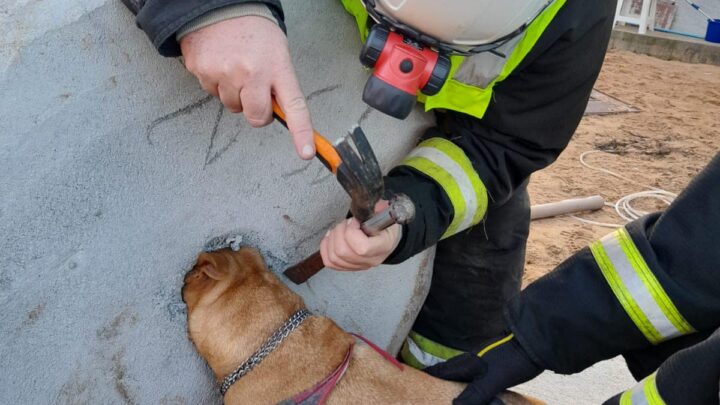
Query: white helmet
460,25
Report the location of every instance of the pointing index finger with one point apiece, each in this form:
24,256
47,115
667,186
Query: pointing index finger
292,102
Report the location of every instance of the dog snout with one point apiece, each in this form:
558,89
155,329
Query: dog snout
190,274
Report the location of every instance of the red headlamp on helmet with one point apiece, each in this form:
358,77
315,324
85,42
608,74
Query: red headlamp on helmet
410,43
402,67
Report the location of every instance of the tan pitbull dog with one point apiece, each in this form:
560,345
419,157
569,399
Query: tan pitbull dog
234,304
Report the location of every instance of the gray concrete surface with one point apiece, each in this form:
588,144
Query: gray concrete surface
593,386
117,170
665,46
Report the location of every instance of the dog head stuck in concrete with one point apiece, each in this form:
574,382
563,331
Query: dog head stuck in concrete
235,303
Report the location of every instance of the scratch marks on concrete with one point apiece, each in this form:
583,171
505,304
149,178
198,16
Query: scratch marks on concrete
365,115
34,314
211,154
323,90
109,367
119,370
314,234
182,111
321,176
77,390
126,318
219,153
210,159
297,171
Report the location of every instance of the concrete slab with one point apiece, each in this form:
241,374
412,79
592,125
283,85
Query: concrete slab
117,170
593,386
604,104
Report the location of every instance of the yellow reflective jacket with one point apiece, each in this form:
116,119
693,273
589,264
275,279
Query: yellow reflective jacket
472,79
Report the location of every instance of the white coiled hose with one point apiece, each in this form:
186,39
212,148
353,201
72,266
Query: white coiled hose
623,207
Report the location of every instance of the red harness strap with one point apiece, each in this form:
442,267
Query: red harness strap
319,393
380,351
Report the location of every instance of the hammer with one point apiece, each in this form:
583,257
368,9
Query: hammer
356,168
400,211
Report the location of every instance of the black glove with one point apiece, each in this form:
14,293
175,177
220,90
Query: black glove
499,365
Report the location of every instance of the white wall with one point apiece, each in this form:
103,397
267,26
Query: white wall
689,21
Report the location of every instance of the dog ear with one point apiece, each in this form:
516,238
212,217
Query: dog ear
212,264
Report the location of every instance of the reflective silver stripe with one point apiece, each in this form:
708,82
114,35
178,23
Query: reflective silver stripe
460,177
483,68
426,359
637,394
643,393
639,292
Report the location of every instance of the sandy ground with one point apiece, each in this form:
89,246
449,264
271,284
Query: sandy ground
674,135
664,145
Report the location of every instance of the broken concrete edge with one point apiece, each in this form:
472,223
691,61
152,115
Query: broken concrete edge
423,278
605,104
666,46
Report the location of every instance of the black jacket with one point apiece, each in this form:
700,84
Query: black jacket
571,318
530,120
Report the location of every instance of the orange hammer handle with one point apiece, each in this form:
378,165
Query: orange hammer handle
325,150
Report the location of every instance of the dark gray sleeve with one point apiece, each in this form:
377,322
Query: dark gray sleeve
161,19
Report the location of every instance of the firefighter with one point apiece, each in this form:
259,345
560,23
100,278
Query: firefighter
649,291
508,81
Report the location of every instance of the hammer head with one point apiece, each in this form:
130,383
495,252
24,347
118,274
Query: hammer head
359,173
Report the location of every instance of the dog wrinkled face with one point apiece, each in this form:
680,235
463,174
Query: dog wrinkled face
227,294
215,272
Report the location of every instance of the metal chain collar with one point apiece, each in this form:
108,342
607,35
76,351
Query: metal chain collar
270,344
